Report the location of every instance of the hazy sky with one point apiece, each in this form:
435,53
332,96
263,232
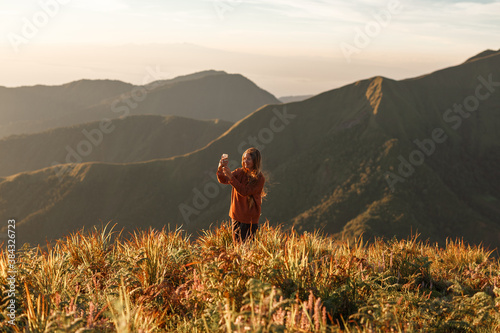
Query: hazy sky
286,47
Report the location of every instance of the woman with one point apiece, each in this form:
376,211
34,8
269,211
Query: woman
247,193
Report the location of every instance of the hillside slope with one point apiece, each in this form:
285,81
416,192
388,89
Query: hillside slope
124,140
337,162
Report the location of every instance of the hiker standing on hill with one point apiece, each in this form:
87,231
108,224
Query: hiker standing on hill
247,193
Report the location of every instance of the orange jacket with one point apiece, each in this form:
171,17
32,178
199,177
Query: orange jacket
246,199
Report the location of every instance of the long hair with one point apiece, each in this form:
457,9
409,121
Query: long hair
255,173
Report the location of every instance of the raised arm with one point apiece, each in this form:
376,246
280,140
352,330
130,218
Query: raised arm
249,189
221,177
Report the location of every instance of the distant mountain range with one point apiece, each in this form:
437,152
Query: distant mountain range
204,95
378,157
124,140
290,99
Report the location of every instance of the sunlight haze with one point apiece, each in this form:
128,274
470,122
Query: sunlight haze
286,47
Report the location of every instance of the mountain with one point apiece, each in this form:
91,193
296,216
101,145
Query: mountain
483,54
189,77
124,140
204,95
378,157
207,95
36,108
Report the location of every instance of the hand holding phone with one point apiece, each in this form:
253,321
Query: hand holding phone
224,159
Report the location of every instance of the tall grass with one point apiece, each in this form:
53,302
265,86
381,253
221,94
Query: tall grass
282,281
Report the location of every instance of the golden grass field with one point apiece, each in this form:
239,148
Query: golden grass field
163,281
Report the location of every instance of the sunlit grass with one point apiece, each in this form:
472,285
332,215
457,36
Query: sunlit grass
282,281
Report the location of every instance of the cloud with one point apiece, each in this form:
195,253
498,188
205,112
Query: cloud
307,9
105,6
8,12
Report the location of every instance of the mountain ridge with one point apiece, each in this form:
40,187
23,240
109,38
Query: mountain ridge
483,54
203,95
133,138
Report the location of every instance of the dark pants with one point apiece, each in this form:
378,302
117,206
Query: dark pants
244,231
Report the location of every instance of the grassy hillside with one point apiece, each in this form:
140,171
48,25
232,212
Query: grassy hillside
204,95
163,281
130,139
327,160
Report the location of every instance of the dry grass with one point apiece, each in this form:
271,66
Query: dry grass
156,281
